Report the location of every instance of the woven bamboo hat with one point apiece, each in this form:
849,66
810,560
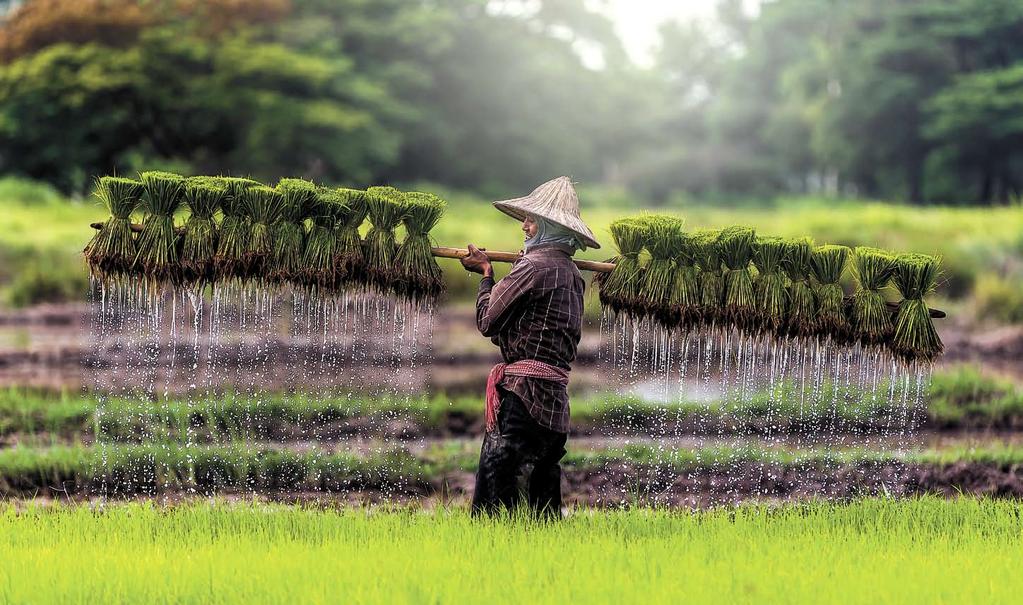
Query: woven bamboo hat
555,201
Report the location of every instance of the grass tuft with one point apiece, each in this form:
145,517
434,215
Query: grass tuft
769,256
620,287
317,272
387,207
229,260
349,256
828,265
802,307
664,237
157,258
263,206
915,338
288,233
736,248
712,283
111,252
419,276
203,197
871,319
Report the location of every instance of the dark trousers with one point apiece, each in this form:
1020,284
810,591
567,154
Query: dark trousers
519,441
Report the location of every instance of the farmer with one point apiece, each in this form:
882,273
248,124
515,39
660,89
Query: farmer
535,316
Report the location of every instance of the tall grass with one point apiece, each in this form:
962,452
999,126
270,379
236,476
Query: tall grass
869,551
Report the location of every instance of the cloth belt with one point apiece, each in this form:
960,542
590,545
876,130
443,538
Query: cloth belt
528,368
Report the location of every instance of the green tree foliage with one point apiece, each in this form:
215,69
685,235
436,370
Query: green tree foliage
907,99
860,97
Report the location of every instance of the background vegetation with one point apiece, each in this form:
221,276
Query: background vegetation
913,100
763,117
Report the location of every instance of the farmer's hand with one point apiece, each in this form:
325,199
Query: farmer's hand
477,262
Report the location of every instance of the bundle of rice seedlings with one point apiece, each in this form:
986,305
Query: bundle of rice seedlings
288,232
349,258
111,252
157,256
768,256
711,278
685,299
263,206
827,265
735,245
233,238
871,319
620,287
802,306
915,338
318,272
386,207
664,236
419,276
202,197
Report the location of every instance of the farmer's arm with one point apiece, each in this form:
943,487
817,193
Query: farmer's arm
495,303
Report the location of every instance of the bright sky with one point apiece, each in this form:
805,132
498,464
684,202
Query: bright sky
637,20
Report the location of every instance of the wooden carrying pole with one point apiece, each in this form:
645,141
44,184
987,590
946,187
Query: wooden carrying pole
511,257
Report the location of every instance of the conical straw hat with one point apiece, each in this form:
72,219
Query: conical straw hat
555,201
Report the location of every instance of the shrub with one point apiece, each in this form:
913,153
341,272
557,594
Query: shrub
999,299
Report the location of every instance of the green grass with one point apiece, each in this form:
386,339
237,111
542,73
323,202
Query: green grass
960,397
870,551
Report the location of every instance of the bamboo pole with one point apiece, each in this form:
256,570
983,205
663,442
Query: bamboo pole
511,257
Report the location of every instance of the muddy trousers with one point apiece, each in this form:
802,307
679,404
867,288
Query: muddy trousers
519,441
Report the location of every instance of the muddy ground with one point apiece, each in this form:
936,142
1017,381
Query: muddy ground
50,346
614,485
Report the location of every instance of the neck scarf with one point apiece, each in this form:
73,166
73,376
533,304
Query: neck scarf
548,232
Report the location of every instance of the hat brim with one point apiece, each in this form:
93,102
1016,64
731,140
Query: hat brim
512,209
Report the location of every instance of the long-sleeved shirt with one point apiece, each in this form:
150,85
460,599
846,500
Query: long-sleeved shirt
536,312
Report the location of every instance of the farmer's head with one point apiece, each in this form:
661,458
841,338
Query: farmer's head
540,230
550,215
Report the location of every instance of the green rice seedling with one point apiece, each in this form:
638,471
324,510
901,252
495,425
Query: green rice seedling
203,197
157,256
349,257
387,207
871,318
620,287
263,206
111,252
233,238
827,264
420,278
318,271
802,307
288,233
769,254
736,248
685,300
711,279
664,236
915,337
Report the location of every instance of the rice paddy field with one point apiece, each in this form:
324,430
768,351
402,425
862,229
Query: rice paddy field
250,447
925,550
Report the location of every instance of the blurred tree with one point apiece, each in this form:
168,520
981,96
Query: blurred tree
977,126
905,99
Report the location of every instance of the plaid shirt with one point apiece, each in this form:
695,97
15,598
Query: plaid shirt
536,313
